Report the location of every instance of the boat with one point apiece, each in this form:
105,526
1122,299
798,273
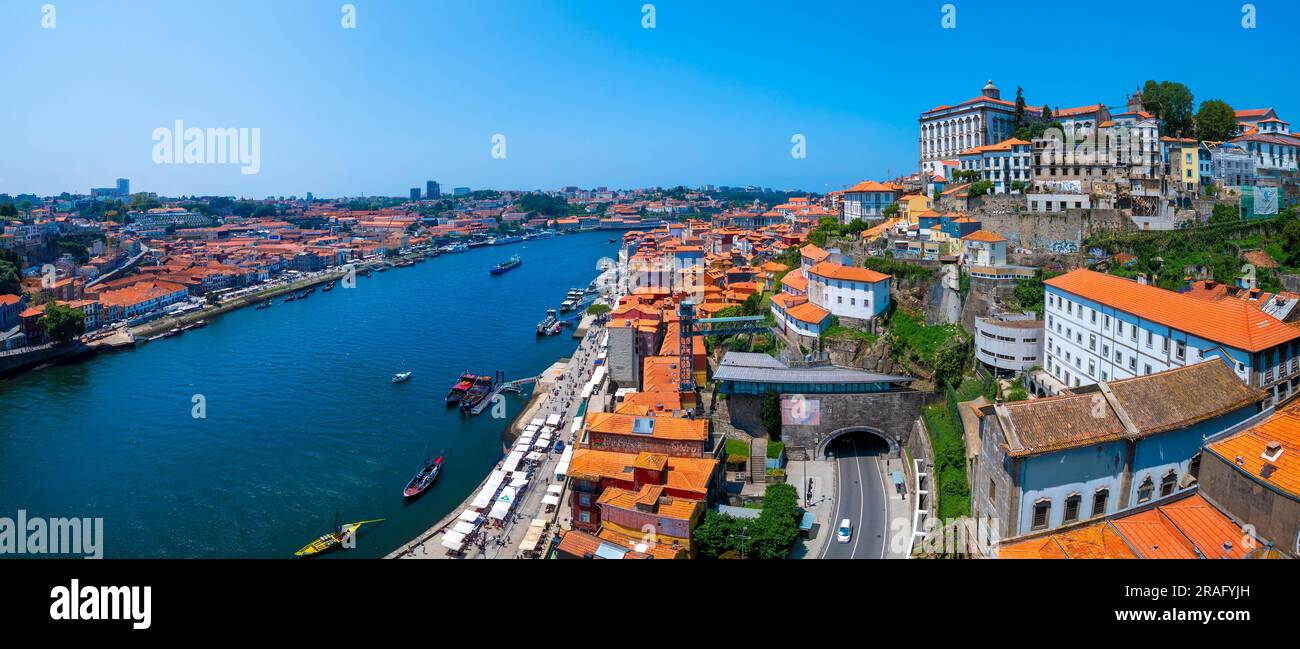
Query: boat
455,247
477,243
291,298
509,238
382,268
328,287
266,304
568,305
174,331
334,539
401,377
544,234
421,481
613,240
405,263
504,266
479,391
462,386
546,323
304,295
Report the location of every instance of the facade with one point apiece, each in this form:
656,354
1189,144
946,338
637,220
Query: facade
848,291
1233,166
625,433
867,201
1106,328
946,131
1045,463
984,249
1001,164
1009,342
432,189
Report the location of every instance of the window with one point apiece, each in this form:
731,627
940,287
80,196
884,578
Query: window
1180,350
993,490
584,499
1148,368
1145,490
1168,483
1133,363
1072,508
584,516
1042,510
1149,339
1092,343
1105,351
1099,501
1106,321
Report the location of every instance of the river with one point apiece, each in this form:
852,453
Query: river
301,417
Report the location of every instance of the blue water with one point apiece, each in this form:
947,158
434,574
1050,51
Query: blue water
302,418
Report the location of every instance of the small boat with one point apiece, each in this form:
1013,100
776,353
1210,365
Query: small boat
568,305
507,265
479,391
462,386
545,324
291,298
266,304
383,268
405,263
421,481
328,287
509,238
401,377
613,240
332,540
455,247
304,295
174,331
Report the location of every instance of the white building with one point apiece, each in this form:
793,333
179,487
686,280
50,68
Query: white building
1102,328
848,291
946,130
1001,164
867,200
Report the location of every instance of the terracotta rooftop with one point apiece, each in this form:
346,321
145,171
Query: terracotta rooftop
1282,471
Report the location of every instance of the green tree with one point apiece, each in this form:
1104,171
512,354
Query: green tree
771,413
1224,213
712,536
598,309
62,323
8,211
1171,103
776,528
10,279
1216,121
1020,108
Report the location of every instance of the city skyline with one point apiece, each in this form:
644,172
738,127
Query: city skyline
711,95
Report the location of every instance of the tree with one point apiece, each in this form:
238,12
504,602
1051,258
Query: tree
8,211
777,527
771,413
713,534
1047,113
1216,121
10,280
1171,103
62,323
1020,108
1224,213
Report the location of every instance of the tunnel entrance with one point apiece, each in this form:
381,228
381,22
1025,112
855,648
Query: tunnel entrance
858,440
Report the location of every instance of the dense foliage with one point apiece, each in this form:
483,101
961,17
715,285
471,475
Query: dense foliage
62,323
770,536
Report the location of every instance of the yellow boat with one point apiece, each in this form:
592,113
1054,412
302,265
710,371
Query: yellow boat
332,540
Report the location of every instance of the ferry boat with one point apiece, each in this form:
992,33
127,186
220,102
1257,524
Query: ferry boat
544,234
401,377
174,331
328,287
509,238
568,305
421,481
462,386
479,391
455,247
477,243
546,323
507,265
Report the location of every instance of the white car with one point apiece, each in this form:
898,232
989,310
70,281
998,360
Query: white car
845,531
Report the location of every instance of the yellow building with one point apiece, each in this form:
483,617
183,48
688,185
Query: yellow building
911,205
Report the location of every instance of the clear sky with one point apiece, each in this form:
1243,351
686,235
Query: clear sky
583,93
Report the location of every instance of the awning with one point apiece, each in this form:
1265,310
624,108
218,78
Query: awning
464,528
453,540
518,483
554,489
469,516
550,499
534,456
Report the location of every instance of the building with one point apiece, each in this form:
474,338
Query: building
1233,166
1106,328
625,433
983,248
1183,526
946,131
415,193
1002,164
867,201
592,472
432,189
123,187
1045,463
848,291
1082,122
1009,343
1254,472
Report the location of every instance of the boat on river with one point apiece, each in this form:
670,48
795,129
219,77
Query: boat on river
420,481
479,391
545,325
401,377
462,386
507,265
331,540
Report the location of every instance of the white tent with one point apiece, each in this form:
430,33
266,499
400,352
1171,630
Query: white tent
519,482
453,540
484,498
553,420
464,528
533,457
536,422
555,489
469,516
499,511
561,469
550,499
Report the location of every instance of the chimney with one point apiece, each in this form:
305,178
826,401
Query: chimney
1272,451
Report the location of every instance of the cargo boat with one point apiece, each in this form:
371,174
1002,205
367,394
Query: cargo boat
507,265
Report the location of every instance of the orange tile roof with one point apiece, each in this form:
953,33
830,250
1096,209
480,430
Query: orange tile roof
1282,473
795,280
1181,527
873,186
664,427
814,253
808,312
847,273
984,236
1231,323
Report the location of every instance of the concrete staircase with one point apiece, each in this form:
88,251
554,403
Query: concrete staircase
758,460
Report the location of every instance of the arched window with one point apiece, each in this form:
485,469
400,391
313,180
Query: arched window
1072,508
1099,499
1042,514
1146,489
1168,483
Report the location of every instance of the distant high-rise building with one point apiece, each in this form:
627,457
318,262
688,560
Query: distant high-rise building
123,187
415,193
460,191
432,189
310,198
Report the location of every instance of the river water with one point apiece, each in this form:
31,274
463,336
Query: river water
302,419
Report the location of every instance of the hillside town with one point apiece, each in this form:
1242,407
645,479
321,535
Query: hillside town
1071,332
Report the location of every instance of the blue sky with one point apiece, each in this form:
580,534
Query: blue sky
584,95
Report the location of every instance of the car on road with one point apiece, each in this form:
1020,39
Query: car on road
845,531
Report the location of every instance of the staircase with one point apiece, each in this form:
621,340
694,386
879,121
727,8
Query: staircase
758,460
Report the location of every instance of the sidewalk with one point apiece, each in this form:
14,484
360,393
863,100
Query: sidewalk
821,503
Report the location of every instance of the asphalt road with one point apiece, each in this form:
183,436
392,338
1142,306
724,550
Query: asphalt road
861,499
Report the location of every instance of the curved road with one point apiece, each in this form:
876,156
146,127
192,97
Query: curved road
860,498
